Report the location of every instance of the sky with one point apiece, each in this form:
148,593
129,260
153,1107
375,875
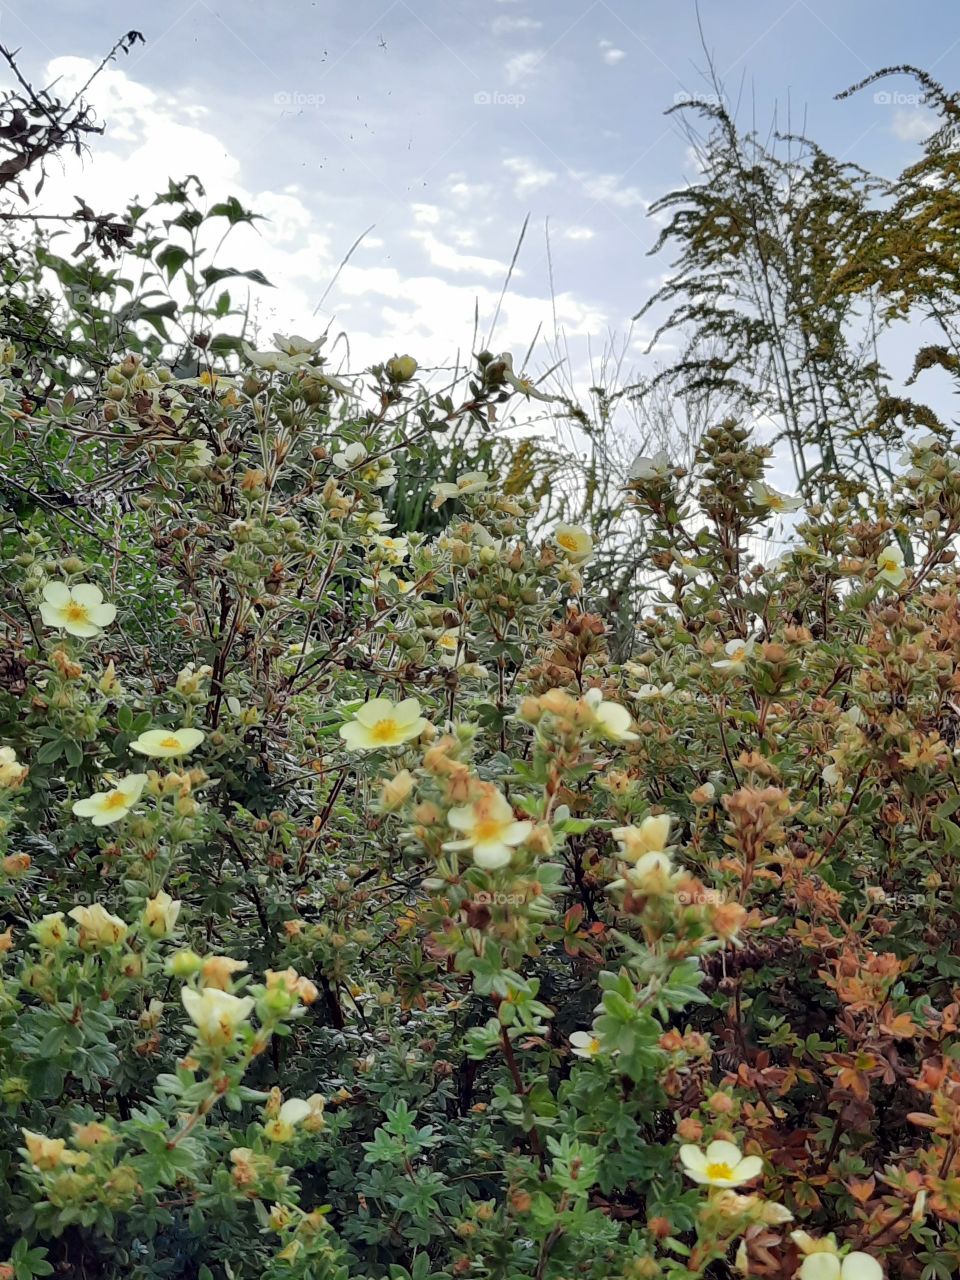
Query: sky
437,126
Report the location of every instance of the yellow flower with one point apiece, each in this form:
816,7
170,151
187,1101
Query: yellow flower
98,928
382,723
469,482
216,1014
160,914
395,790
652,874
395,550
94,1134
823,1262
650,837
723,1164
108,683
489,828
12,774
401,368
610,718
217,971
890,565
764,496
110,806
43,1153
584,1044
574,541
452,648
315,1121
290,1115
164,743
78,610
737,651
49,930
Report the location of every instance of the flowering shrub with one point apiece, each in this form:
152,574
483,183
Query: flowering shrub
363,918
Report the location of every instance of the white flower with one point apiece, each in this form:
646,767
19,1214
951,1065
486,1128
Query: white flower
292,1113
276,361
831,775
649,692
294,345
652,874
452,647
651,836
350,456
395,550
890,564
737,651
469,482
521,384
78,610
655,468
822,1260
165,743
772,499
610,718
387,578
110,806
160,914
574,541
216,1014
372,522
584,1044
489,828
827,1266
382,723
98,928
380,472
11,773
723,1164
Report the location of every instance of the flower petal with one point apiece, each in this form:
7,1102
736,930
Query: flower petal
102,614
820,1266
87,593
749,1167
693,1159
57,593
721,1152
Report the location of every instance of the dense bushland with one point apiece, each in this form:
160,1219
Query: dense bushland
417,864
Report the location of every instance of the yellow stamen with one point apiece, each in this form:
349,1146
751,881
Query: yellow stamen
170,743
487,829
115,800
74,612
384,730
719,1170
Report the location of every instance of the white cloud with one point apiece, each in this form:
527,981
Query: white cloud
528,175
300,245
426,214
446,257
578,233
913,126
610,53
506,25
607,188
523,65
